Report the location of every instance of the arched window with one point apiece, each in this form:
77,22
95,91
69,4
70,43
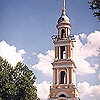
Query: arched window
62,95
62,52
63,33
62,77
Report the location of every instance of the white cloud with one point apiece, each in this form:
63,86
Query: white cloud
88,92
99,76
96,66
83,67
90,48
43,90
10,53
44,63
83,51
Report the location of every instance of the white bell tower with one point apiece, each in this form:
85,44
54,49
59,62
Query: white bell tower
64,69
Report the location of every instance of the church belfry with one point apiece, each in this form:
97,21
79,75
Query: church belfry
64,69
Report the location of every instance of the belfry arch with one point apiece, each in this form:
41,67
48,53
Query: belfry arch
63,33
63,76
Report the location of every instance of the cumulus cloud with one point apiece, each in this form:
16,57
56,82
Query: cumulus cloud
90,48
86,50
99,76
10,53
88,92
43,90
44,63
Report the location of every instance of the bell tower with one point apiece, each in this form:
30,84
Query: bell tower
64,69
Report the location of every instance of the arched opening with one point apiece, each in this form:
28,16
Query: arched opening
62,95
63,33
63,53
62,77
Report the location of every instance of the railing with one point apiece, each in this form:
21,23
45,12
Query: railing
57,37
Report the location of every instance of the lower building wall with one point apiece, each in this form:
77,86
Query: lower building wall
64,99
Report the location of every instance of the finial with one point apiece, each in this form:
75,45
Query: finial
64,7
64,4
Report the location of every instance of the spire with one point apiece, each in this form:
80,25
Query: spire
64,8
64,4
64,18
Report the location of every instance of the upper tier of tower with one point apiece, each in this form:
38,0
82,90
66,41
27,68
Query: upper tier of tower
63,41
63,24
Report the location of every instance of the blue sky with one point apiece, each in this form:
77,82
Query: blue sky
29,25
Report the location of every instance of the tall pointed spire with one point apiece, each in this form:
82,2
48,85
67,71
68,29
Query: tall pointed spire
64,17
64,8
64,4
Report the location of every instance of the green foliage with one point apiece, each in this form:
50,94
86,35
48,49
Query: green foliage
95,6
16,83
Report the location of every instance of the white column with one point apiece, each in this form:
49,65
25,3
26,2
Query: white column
57,76
74,77
67,76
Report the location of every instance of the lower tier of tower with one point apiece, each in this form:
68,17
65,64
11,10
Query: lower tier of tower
63,92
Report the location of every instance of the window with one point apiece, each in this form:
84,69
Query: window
63,33
62,77
63,53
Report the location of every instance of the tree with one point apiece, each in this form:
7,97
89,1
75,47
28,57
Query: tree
95,6
16,83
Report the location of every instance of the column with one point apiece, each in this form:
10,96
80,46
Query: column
56,53
69,50
74,77
67,76
66,51
59,54
70,75
55,76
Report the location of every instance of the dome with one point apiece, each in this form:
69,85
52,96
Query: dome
64,18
